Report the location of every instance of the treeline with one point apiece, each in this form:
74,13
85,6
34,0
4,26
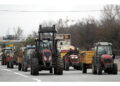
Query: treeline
85,33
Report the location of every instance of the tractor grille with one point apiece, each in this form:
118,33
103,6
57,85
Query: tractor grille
74,60
107,60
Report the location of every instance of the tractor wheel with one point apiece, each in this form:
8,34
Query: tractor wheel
8,66
66,65
2,62
99,70
19,66
51,71
34,66
11,64
75,67
79,67
84,68
55,70
25,69
59,67
94,69
115,69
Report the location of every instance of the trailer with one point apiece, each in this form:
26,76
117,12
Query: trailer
86,59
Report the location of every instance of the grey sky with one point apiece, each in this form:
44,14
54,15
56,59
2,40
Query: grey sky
29,21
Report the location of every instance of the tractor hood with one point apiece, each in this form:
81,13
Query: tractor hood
106,56
46,52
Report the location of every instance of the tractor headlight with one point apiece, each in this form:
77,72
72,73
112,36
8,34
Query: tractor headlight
76,57
45,58
72,57
50,58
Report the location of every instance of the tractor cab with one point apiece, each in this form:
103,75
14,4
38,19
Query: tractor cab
104,52
46,51
105,48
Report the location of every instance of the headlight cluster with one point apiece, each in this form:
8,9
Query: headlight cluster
47,58
74,57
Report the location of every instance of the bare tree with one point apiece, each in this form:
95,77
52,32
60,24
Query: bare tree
18,33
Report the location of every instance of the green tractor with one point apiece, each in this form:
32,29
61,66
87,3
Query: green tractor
46,55
104,59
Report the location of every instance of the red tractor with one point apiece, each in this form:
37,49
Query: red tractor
8,59
72,58
46,55
104,59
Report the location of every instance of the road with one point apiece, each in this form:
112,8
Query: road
13,75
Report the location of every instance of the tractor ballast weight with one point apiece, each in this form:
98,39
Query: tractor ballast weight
46,55
104,59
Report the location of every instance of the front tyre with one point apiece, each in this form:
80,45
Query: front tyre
19,66
115,69
99,70
94,69
84,68
59,67
34,66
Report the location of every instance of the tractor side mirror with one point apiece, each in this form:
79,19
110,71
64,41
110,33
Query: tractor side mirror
113,56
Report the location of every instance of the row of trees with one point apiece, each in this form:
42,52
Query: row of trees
85,33
88,31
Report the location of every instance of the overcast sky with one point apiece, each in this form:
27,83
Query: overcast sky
29,21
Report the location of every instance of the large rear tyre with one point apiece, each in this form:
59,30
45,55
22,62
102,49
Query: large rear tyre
34,66
84,68
59,67
115,69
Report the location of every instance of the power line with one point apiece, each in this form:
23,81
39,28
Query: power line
51,11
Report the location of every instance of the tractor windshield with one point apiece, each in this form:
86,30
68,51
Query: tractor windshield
46,44
104,50
8,52
47,54
29,51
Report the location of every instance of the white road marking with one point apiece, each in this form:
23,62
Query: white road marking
20,74
38,80
6,69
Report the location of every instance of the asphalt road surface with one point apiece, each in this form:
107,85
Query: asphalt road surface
13,75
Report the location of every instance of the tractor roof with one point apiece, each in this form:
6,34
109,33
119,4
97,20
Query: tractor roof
30,47
103,43
47,29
